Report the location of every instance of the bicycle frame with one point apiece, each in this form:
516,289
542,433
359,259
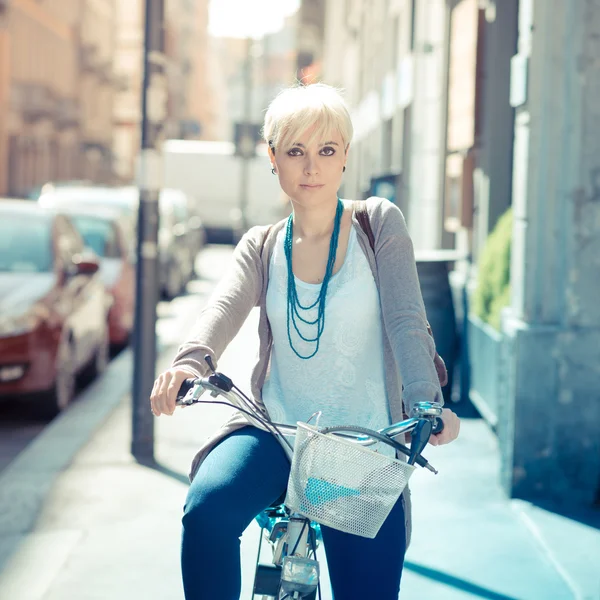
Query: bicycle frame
294,538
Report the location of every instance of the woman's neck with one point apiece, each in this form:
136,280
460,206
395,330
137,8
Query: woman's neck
314,222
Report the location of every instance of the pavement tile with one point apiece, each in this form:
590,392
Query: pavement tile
109,527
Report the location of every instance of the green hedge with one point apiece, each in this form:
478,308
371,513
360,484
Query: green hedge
492,293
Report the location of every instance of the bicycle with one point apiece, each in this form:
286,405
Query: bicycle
316,494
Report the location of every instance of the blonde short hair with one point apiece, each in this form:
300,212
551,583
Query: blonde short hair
296,109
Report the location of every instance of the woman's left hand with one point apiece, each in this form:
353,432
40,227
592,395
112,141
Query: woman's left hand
450,431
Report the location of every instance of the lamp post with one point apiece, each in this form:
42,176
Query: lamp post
154,97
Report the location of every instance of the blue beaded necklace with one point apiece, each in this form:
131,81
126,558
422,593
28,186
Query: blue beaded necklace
293,304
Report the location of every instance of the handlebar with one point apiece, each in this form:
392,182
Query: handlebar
422,409
425,421
186,386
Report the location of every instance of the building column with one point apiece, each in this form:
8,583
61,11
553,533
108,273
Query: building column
28,161
493,174
549,428
18,165
40,162
428,107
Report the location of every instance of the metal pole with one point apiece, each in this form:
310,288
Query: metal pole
149,175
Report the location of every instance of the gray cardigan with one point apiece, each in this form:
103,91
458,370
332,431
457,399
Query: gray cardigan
408,348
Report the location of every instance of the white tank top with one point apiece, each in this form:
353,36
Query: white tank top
345,379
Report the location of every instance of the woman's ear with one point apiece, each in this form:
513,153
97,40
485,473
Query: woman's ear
272,157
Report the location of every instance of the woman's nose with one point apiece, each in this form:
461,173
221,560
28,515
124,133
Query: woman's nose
310,166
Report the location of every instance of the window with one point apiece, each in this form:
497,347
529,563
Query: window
98,234
413,23
387,140
25,244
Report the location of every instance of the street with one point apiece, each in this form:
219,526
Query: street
18,427
74,518
16,431
109,527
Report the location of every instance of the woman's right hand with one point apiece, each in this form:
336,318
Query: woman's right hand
165,389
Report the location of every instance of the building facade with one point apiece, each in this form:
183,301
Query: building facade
389,58
45,47
309,40
127,109
251,72
462,109
202,107
70,87
191,105
96,44
550,432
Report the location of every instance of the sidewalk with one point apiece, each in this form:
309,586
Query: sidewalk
109,528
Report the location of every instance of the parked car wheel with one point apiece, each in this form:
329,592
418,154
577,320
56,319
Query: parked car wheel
63,391
101,357
174,285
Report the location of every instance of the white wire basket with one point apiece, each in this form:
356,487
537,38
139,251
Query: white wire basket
341,484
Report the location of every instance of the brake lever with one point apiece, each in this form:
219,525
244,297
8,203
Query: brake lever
419,438
220,381
216,379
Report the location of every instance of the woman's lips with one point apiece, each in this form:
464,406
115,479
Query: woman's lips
312,186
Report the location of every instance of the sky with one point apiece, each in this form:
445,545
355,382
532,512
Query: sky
244,18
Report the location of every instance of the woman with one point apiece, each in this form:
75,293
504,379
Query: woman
342,330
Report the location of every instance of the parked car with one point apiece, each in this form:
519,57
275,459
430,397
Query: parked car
211,172
122,199
106,232
180,238
186,212
175,262
176,222
53,307
38,190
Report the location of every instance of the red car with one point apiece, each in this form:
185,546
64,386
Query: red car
108,232
53,307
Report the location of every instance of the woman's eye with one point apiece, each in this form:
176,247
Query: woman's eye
326,151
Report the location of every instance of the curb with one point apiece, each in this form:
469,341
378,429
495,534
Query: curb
27,480
519,507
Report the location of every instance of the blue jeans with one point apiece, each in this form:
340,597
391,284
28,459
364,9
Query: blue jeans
242,475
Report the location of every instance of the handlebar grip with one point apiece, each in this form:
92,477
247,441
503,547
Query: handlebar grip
438,426
186,386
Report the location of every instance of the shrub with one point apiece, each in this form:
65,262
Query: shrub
492,292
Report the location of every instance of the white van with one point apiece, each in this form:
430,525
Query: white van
211,173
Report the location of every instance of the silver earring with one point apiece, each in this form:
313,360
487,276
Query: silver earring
273,170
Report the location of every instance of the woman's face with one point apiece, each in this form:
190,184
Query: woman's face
311,173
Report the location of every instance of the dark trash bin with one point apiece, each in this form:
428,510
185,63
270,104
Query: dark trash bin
433,267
